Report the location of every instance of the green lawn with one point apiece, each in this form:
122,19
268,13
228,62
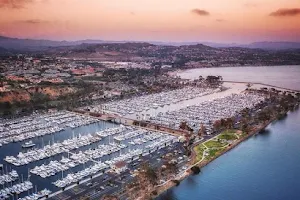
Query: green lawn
214,144
213,152
214,147
228,136
199,150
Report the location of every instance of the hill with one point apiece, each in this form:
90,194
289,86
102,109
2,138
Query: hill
274,45
38,45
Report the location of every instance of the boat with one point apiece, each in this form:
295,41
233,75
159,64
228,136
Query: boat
28,144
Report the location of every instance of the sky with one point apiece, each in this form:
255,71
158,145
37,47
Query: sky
223,21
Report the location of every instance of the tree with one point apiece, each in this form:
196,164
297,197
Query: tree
223,122
217,125
171,169
148,174
214,80
229,123
146,179
184,126
201,79
202,130
264,115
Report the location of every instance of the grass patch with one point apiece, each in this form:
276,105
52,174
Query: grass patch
227,136
199,149
213,152
214,144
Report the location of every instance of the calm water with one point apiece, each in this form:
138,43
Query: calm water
265,167
283,76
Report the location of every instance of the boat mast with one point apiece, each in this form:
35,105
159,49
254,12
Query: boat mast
28,174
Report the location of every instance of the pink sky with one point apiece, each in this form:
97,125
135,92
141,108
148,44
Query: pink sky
152,20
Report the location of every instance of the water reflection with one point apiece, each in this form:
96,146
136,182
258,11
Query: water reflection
265,132
168,195
191,181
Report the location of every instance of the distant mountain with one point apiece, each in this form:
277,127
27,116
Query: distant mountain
5,52
255,45
258,45
29,44
274,45
24,45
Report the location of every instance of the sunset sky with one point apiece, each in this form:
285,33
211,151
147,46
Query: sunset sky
240,21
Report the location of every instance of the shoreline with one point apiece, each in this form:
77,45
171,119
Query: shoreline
238,66
263,84
164,188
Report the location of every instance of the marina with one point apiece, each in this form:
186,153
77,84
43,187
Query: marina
37,125
15,189
8,177
208,112
133,106
51,150
41,144
66,157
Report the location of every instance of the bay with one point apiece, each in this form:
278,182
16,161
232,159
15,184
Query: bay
282,76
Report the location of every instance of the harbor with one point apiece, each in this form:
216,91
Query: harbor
82,148
15,147
150,105
206,113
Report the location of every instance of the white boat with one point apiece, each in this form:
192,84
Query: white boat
28,144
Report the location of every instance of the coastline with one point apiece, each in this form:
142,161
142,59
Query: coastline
263,84
161,189
235,66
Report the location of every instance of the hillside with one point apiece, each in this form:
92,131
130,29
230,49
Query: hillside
274,45
23,45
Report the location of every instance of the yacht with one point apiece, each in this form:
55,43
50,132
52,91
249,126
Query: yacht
28,144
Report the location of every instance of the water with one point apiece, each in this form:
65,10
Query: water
12,149
265,166
282,76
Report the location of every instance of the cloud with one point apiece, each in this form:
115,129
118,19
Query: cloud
32,21
17,4
286,12
220,20
200,12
